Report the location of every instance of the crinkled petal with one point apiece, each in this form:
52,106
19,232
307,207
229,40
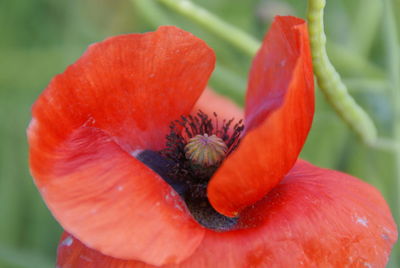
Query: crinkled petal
113,203
314,218
131,86
278,117
118,99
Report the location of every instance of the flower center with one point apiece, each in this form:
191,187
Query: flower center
195,148
206,150
198,145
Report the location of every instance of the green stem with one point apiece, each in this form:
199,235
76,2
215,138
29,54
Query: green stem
250,45
329,80
215,25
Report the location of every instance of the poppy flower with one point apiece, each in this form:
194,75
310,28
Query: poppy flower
138,177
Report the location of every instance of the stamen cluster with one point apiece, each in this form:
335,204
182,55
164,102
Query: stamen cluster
184,131
192,170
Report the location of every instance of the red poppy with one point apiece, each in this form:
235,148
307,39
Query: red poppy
93,123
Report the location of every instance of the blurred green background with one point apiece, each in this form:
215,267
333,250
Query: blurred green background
40,38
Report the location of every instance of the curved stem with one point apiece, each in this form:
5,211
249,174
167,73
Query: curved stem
329,80
327,77
215,25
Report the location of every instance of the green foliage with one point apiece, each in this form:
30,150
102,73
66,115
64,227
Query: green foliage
40,38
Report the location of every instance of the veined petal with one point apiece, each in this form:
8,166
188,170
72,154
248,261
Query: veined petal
278,117
118,98
131,86
314,218
113,202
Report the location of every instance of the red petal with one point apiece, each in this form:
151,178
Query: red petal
278,116
314,218
120,96
113,202
72,253
132,86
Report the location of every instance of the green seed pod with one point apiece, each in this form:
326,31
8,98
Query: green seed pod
329,80
206,150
